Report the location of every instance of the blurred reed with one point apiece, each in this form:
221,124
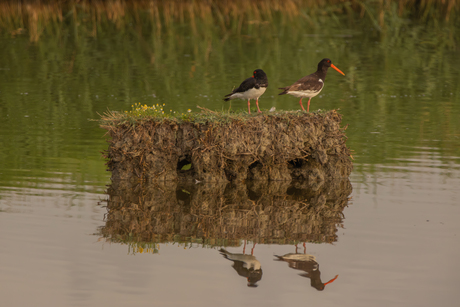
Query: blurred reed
40,16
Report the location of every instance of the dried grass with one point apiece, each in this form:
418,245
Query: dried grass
228,147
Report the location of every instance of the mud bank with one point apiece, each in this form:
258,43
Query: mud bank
218,214
283,146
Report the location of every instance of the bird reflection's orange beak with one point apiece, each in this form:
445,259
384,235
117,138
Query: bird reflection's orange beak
333,66
332,280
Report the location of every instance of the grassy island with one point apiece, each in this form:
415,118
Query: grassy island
210,146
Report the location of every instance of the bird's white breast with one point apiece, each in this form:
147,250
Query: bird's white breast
299,257
305,93
253,93
252,264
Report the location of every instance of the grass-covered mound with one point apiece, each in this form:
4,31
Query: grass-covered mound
147,144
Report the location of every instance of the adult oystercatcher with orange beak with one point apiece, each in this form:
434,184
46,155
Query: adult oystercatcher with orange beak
251,88
311,85
308,264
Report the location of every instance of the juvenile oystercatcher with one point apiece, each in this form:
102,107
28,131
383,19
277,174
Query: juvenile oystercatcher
245,265
310,86
251,88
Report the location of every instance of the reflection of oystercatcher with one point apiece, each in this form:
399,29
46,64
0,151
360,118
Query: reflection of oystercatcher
310,86
308,264
245,265
251,88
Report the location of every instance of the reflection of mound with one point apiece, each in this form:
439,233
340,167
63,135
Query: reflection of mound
268,212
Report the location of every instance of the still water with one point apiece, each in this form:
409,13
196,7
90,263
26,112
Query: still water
71,237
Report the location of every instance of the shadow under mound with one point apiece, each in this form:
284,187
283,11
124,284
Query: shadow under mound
221,147
225,213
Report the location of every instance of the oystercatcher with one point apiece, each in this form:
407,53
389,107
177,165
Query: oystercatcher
310,86
245,265
308,264
251,88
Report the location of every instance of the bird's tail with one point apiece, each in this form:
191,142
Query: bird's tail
285,90
223,252
228,96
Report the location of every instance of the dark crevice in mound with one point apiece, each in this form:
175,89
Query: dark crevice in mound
184,162
296,163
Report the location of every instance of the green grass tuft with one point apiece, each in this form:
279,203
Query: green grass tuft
140,114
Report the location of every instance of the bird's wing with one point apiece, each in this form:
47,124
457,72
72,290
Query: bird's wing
308,83
244,86
262,83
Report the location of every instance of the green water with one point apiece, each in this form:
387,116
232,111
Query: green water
400,92
400,97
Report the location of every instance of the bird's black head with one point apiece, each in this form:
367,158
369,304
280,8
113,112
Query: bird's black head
252,281
259,74
324,63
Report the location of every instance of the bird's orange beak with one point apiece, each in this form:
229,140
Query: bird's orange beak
333,66
334,277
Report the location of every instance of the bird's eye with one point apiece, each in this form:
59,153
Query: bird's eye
328,61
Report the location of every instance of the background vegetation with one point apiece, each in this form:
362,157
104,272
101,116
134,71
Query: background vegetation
233,16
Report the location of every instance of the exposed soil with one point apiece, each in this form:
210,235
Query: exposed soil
285,146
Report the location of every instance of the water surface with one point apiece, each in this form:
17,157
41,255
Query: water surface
396,243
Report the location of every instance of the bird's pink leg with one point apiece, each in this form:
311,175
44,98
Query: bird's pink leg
301,103
252,250
257,103
308,106
249,106
244,248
